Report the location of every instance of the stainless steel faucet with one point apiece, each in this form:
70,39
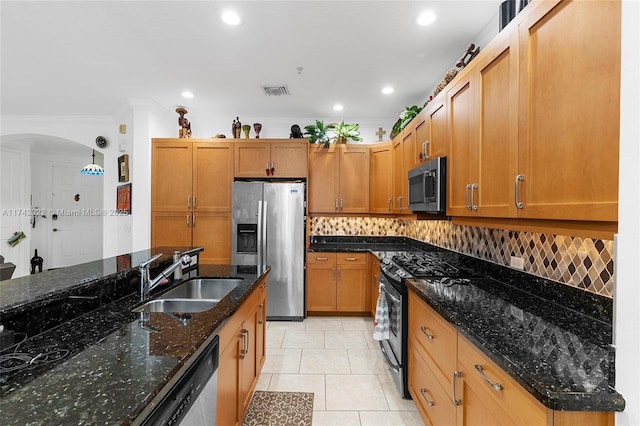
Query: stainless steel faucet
147,284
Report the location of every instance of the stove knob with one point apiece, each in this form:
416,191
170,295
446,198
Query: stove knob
386,261
401,273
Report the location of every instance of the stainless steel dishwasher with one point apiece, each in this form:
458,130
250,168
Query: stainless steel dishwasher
192,401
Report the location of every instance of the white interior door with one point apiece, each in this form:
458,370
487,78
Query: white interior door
76,228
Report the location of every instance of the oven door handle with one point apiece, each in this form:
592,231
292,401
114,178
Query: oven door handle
395,368
384,288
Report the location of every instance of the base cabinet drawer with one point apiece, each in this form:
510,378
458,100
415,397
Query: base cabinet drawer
430,397
496,389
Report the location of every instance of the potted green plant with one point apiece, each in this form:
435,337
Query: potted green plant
343,132
317,133
406,116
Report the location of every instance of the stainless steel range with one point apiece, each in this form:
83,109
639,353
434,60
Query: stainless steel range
448,267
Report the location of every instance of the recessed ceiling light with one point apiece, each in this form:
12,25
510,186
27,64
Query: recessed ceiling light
338,107
187,94
426,18
230,18
387,90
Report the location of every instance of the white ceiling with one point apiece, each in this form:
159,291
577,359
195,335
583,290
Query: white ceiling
90,57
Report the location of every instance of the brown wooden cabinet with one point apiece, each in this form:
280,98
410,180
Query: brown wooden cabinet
337,282
447,384
569,110
536,110
263,158
400,180
339,179
241,357
381,188
191,196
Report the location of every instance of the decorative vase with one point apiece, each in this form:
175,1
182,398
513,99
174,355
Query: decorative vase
257,127
246,129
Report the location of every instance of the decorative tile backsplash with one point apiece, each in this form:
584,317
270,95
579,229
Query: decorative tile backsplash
579,262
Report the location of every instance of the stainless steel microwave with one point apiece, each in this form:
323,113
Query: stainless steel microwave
427,187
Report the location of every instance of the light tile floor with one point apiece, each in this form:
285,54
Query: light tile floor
337,359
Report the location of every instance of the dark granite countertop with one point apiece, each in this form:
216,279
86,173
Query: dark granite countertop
113,370
553,339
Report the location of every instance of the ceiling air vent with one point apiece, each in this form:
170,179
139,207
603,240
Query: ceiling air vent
275,90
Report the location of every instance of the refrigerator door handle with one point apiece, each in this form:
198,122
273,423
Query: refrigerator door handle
264,234
260,225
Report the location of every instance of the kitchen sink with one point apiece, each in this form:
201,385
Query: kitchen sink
177,305
202,288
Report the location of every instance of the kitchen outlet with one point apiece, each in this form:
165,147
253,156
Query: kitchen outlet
517,262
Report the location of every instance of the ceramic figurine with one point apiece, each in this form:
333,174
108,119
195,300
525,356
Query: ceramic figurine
185,126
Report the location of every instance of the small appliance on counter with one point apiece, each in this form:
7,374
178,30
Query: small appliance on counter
427,187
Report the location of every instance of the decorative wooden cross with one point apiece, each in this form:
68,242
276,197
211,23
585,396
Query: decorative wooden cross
379,133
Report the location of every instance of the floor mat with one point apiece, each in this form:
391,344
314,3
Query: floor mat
279,409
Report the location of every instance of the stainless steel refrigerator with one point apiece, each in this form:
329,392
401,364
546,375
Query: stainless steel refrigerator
267,228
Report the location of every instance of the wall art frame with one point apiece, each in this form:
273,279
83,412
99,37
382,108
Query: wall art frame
123,199
123,168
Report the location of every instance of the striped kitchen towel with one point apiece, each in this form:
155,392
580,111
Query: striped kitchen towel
381,323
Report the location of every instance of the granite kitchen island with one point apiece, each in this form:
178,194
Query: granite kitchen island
103,366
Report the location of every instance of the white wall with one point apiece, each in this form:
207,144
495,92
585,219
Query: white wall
627,315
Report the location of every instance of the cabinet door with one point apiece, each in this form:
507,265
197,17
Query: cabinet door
421,137
171,175
171,229
473,411
227,404
497,111
212,176
251,159
569,110
351,286
323,185
289,159
399,184
321,288
380,190
248,371
213,232
437,119
354,179
462,164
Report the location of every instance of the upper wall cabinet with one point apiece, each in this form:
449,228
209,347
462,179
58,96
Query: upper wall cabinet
569,110
264,158
381,170
533,122
482,108
339,179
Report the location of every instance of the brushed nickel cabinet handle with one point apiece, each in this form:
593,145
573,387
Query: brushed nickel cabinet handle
336,204
424,391
194,201
350,259
187,221
473,189
322,259
424,331
467,204
189,202
456,374
519,178
389,204
193,220
497,386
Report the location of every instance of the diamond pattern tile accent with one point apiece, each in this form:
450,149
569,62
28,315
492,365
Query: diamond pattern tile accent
578,262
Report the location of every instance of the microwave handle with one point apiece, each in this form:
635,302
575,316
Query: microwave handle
424,186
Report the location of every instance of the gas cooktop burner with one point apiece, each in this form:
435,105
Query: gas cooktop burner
433,264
